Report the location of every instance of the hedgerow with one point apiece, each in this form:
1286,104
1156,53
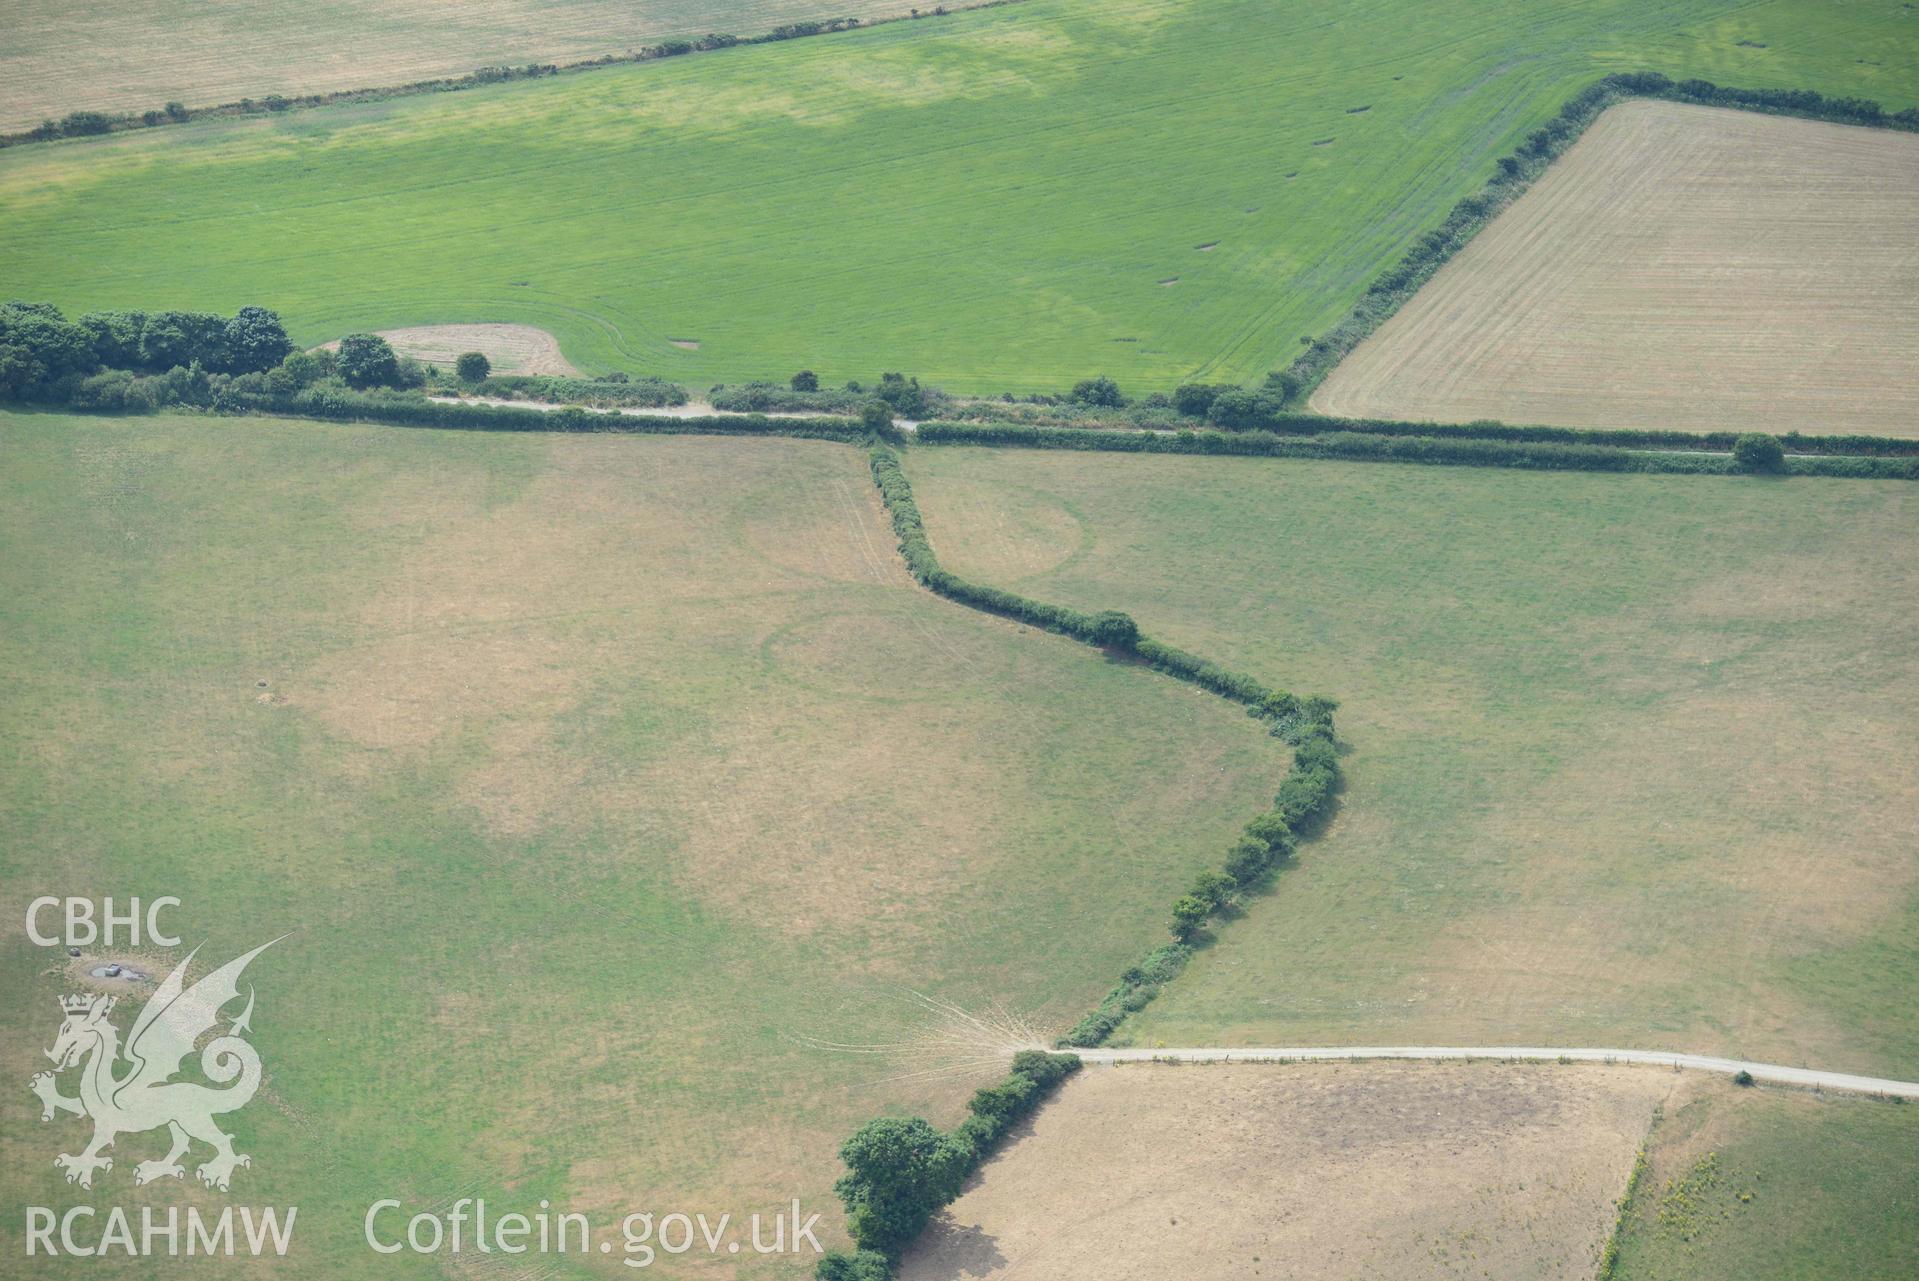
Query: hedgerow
1357,447
901,1171
400,410
638,393
1306,724
79,124
1292,422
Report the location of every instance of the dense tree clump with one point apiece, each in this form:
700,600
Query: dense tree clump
1101,391
44,356
900,1171
806,380
367,360
1756,452
1114,630
255,341
903,394
473,367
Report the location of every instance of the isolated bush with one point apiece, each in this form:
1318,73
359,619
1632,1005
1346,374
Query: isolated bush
1194,399
999,1104
177,338
903,394
1742,1077
1283,385
867,1265
1303,796
1114,630
806,380
107,391
79,124
1757,452
308,367
1215,889
255,340
1101,391
1189,914
1235,408
1271,831
1249,860
41,351
115,336
367,360
472,366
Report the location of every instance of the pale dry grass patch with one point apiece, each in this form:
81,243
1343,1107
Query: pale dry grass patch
511,349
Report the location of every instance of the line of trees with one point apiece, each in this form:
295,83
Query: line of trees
40,349
135,361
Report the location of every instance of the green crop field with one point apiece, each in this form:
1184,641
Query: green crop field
1002,200
591,775
1768,1186
1627,755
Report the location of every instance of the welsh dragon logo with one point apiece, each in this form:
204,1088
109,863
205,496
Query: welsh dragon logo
131,1089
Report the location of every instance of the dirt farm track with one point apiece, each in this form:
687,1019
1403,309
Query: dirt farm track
1681,266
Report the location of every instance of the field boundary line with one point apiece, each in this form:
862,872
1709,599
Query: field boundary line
1771,1073
86,123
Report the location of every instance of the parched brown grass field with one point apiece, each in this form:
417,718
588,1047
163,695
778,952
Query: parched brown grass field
122,55
593,774
1628,756
1680,266
1441,1171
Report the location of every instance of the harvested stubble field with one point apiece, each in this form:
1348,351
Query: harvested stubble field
512,349
1431,1170
125,55
991,201
1627,753
592,774
1680,266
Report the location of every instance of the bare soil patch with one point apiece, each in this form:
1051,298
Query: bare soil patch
512,349
1681,266
1310,1171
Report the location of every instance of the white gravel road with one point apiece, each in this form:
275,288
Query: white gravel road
1774,1073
